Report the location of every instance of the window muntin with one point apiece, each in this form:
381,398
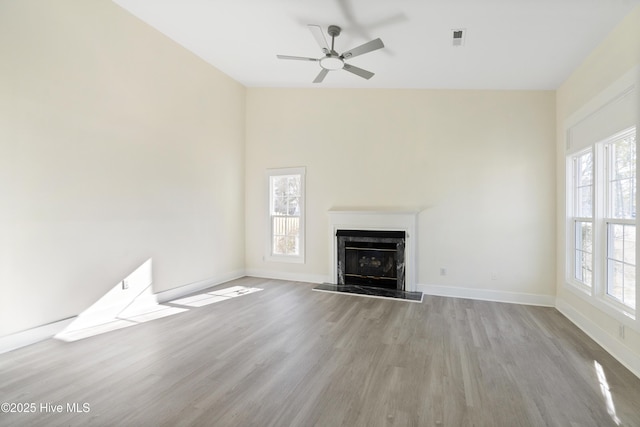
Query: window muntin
286,214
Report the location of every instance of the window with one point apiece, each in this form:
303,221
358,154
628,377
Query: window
583,220
602,220
620,220
286,214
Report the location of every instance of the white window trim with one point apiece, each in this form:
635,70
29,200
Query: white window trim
269,255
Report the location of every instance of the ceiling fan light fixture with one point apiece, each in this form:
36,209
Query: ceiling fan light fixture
331,63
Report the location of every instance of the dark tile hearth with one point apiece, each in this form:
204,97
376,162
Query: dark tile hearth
371,291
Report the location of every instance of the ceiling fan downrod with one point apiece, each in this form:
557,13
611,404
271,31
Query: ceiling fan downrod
334,31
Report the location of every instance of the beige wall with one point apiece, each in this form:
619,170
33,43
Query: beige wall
479,163
117,146
614,57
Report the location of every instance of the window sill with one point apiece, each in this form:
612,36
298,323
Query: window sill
579,288
621,315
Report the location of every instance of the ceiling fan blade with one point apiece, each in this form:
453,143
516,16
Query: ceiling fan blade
358,71
299,58
319,36
321,76
364,48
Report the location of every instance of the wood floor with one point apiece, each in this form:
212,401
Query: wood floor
290,356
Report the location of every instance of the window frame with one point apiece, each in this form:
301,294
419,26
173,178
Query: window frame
269,253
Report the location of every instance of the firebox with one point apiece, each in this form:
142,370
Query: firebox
371,258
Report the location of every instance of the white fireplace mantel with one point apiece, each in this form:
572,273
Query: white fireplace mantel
393,219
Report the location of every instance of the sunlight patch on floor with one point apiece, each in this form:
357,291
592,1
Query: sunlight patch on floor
153,313
215,296
79,334
159,313
130,302
606,392
143,308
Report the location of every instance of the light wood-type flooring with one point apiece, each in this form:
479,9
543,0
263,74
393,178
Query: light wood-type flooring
291,356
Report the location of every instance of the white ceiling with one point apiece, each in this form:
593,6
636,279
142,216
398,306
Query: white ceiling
510,44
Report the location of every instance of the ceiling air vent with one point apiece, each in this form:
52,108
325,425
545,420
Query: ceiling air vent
458,36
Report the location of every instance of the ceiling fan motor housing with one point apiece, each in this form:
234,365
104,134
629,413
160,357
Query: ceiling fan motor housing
334,30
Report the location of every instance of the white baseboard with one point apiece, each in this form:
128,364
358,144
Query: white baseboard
488,295
281,275
611,344
181,291
33,335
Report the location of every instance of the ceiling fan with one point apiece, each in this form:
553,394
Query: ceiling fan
331,60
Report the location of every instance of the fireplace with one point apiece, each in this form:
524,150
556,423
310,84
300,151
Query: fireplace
355,223
371,258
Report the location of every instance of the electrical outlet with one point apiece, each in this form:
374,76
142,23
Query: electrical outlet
443,271
494,276
125,284
621,331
